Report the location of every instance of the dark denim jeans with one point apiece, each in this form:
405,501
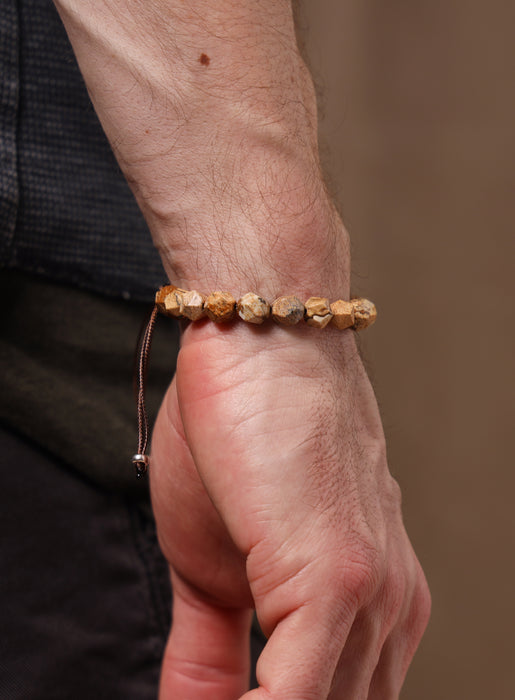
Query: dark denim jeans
84,593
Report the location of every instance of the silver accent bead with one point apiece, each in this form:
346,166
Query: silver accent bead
141,463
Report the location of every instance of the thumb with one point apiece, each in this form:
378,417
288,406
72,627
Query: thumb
207,656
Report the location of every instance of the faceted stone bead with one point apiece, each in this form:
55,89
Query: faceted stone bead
365,313
317,312
161,294
287,310
253,308
193,305
173,303
219,306
343,314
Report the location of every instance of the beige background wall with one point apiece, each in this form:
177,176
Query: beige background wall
420,128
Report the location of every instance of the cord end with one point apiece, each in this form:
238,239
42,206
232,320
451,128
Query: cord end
140,464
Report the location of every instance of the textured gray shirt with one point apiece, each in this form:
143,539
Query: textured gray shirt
66,212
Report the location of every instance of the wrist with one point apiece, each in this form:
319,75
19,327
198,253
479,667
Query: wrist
301,250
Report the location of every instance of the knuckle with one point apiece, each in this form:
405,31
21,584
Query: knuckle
422,601
361,575
419,614
396,590
395,494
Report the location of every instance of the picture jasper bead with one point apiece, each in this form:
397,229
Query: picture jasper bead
193,305
343,314
365,313
173,304
253,308
317,312
219,306
161,295
287,310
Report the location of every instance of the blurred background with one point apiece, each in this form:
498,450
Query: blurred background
418,124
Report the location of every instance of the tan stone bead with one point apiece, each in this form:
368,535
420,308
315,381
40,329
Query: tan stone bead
287,310
318,313
253,308
193,305
173,304
365,313
343,314
219,306
161,294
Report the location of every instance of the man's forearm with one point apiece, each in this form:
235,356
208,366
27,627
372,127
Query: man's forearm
285,500
211,113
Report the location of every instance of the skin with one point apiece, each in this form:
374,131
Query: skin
269,478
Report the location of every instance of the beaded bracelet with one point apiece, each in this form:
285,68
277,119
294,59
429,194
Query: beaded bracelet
222,307
287,310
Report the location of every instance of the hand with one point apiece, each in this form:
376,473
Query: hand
270,489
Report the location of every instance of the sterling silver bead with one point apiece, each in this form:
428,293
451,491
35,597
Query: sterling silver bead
141,463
